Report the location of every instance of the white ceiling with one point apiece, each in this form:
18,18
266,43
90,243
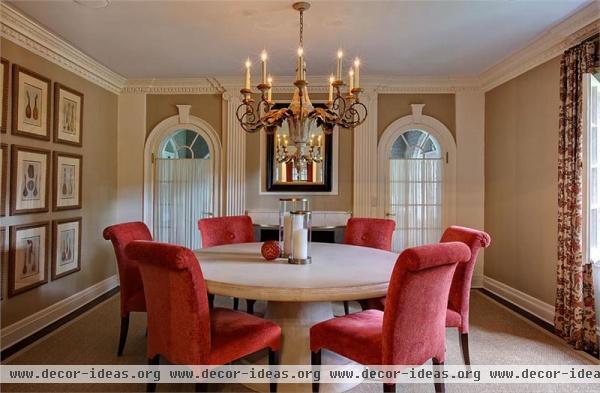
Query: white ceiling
168,39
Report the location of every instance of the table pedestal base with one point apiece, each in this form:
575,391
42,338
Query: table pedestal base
296,319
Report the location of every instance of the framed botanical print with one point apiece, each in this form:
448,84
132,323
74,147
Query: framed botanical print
66,191
3,177
28,257
3,94
66,247
30,104
30,180
68,115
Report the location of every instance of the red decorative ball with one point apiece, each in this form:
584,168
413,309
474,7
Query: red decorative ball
270,250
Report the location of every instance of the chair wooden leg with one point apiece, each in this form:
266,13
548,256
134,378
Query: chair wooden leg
123,334
389,387
151,386
250,306
201,387
273,361
315,360
211,300
364,304
346,307
438,382
236,303
464,347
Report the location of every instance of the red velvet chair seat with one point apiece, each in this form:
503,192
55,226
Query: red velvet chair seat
453,319
137,302
236,334
356,336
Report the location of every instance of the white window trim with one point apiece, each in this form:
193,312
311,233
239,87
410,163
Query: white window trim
587,82
444,137
152,147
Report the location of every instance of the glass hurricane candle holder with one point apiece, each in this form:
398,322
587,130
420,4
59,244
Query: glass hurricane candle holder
300,238
286,206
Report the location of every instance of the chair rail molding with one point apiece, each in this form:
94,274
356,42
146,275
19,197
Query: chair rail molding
32,36
235,150
365,161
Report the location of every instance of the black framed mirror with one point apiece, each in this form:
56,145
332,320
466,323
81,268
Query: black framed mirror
285,175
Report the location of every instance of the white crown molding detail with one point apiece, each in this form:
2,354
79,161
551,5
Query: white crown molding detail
27,326
27,33
528,303
206,85
548,45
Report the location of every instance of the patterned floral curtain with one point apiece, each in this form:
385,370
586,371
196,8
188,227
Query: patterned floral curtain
574,318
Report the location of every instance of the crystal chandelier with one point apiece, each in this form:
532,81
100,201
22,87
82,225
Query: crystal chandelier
343,110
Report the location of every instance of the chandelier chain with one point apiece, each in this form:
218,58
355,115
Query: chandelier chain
301,29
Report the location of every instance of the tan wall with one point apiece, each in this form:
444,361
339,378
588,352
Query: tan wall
391,107
99,188
521,154
208,107
340,202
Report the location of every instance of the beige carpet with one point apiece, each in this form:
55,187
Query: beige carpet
497,336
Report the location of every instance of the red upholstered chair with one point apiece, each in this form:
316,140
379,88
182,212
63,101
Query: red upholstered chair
458,304
227,230
412,328
181,327
132,290
369,232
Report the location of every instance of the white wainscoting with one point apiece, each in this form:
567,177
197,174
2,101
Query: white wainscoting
24,328
540,309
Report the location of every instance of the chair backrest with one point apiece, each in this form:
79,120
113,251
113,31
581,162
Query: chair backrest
414,321
176,302
226,230
370,232
129,276
461,282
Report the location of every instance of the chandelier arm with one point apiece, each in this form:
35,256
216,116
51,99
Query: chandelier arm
247,117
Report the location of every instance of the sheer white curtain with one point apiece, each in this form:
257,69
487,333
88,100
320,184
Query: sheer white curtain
183,196
416,201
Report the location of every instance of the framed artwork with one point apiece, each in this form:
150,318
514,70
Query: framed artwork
3,258
28,257
3,177
30,180
293,176
3,94
66,191
66,247
68,115
30,104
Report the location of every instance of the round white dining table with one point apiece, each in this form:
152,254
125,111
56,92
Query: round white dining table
298,296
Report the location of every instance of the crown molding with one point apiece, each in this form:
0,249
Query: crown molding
204,85
551,43
32,36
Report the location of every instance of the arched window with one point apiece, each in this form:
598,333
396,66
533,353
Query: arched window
183,188
182,178
416,176
415,184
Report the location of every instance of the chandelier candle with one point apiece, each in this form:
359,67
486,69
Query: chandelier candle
351,80
263,58
340,55
300,64
270,91
248,64
357,73
331,79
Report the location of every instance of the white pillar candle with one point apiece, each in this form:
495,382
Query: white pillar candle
263,58
300,63
330,88
357,73
300,244
351,80
248,64
340,54
270,91
287,234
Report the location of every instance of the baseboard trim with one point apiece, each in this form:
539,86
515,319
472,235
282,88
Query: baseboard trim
527,303
20,331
